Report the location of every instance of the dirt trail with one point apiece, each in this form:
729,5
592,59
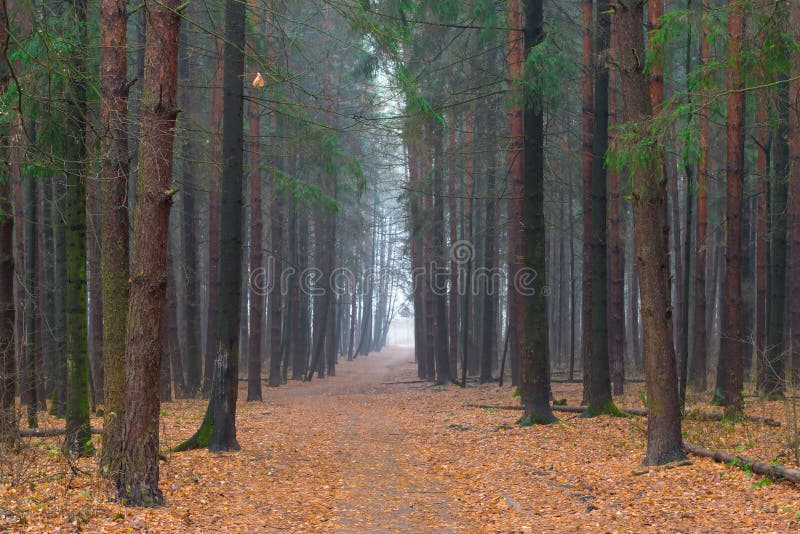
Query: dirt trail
383,485
353,453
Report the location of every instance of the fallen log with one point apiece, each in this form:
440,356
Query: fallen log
760,468
49,432
555,408
632,411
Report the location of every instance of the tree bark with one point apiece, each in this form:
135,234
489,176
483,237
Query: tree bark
587,127
223,435
452,317
699,362
439,261
651,240
732,340
28,276
776,284
94,245
599,399
9,427
214,202
275,296
257,298
794,201
514,158
78,438
114,206
762,241
136,480
534,378
616,248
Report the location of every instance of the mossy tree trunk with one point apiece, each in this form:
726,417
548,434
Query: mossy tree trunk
114,257
218,429
78,437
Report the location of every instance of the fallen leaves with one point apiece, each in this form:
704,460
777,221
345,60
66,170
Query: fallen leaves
347,454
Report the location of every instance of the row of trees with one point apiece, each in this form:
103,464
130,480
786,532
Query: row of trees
179,204
560,184
661,259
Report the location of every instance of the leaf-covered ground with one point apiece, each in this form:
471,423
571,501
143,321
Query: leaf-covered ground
354,453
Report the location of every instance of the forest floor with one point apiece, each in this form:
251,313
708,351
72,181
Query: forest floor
363,452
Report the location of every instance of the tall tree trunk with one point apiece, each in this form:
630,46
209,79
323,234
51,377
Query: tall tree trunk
762,241
616,246
257,298
776,283
223,404
534,378
732,324
651,241
514,164
9,433
587,127
44,295
440,260
95,283
452,317
218,429
58,364
28,262
136,480
572,300
275,268
699,368
686,282
598,399
188,266
214,202
78,438
114,205
275,294
303,323
793,215
490,237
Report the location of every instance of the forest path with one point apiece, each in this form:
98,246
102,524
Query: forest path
366,451
381,482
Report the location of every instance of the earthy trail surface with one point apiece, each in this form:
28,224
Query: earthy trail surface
362,452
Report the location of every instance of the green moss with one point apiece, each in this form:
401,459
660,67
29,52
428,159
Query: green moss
607,409
201,438
536,418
